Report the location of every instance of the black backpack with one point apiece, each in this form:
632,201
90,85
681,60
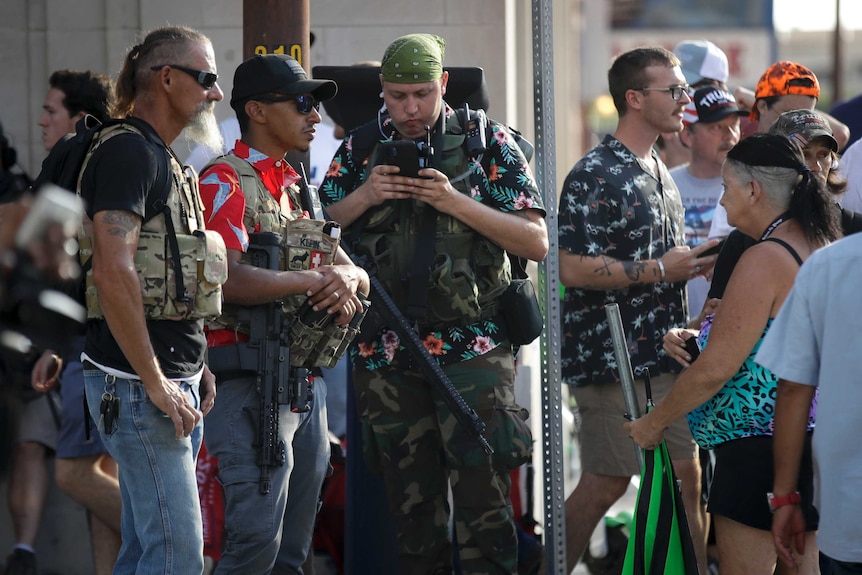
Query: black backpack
65,160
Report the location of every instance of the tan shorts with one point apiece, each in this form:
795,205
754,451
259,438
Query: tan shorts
37,422
606,448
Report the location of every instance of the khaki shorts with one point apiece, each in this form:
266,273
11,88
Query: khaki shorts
606,448
37,422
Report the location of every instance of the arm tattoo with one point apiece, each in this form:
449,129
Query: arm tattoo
605,268
634,269
121,223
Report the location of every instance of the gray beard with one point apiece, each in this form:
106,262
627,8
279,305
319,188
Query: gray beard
203,129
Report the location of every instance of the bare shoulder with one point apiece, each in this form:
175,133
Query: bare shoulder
769,268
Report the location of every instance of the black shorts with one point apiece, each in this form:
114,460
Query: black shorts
744,474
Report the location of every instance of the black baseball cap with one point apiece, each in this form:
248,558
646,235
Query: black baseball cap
276,74
709,105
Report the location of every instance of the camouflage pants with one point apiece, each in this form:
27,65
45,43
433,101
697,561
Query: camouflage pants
412,438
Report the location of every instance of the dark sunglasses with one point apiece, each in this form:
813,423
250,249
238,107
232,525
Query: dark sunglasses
304,104
205,79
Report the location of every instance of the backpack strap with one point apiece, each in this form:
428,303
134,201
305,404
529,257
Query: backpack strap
478,131
365,139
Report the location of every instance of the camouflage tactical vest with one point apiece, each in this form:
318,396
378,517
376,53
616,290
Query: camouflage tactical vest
306,244
468,271
181,266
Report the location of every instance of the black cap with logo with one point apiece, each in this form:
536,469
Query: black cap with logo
276,74
709,105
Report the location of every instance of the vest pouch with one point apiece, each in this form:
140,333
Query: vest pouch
334,341
519,310
315,339
90,297
151,267
305,331
454,295
203,265
212,274
150,263
380,249
310,243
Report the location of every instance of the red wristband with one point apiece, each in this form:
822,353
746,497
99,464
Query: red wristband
778,501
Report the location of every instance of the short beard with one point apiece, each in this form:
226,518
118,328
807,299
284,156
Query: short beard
203,129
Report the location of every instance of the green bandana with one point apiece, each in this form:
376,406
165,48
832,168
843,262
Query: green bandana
413,59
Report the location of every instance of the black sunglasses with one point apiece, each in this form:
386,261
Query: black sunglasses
304,104
205,79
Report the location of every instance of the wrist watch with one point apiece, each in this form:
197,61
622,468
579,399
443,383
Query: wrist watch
776,501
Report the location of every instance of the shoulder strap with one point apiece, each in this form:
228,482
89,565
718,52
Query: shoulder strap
249,179
786,246
479,131
365,139
116,126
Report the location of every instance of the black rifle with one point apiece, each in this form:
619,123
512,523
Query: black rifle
272,361
390,316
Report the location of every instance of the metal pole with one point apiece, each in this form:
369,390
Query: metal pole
552,429
837,57
624,366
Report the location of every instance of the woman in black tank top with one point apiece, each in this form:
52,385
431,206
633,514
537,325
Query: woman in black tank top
770,194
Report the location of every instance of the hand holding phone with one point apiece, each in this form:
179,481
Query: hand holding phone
401,153
692,348
715,249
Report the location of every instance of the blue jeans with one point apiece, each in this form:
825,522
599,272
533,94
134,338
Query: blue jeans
273,530
161,518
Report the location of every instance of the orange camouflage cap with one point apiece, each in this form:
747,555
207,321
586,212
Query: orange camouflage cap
783,79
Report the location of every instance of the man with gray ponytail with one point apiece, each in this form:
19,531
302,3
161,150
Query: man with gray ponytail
156,274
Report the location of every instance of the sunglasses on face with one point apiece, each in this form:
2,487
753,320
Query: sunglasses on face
304,104
204,78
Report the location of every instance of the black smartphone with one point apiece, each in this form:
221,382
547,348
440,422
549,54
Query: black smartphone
715,249
311,318
692,348
401,153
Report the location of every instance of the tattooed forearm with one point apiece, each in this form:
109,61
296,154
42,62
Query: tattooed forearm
605,268
634,269
121,223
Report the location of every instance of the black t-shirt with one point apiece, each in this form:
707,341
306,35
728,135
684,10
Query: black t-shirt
131,173
736,244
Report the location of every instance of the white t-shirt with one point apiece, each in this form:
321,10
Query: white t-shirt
814,341
720,228
850,169
700,199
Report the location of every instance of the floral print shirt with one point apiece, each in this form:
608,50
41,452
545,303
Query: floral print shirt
507,184
612,205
